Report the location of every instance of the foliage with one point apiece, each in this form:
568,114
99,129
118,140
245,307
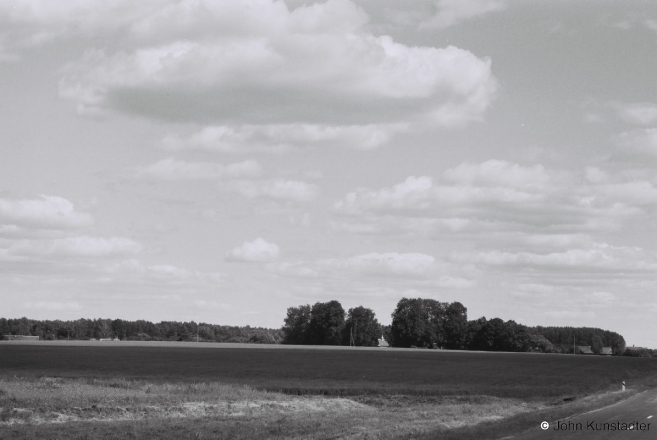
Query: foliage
640,352
562,338
326,323
295,329
362,324
85,329
418,322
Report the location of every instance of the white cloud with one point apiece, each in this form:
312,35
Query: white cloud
600,256
452,12
498,173
642,141
277,189
256,251
49,212
281,137
259,62
641,113
172,169
499,196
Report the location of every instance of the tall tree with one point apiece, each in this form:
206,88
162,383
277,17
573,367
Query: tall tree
362,325
297,322
456,326
326,323
418,322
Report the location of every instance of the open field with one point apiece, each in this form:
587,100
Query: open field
334,372
175,391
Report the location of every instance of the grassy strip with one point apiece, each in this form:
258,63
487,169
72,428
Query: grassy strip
519,423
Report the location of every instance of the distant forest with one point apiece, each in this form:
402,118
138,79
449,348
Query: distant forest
86,329
417,322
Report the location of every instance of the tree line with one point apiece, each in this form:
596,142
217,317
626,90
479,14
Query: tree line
416,322
427,323
85,329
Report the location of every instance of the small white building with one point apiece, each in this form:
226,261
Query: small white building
383,343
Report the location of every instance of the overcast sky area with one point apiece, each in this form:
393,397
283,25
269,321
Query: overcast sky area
222,161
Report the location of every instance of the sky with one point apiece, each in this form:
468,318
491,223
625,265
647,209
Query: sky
221,161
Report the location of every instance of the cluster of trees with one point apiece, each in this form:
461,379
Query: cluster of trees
328,324
640,352
137,330
427,323
563,338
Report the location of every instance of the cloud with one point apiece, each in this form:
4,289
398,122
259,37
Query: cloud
282,137
82,246
452,12
641,113
600,256
49,212
277,189
256,251
257,62
498,196
642,141
172,169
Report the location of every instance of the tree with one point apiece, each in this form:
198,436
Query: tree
326,323
455,326
362,324
596,344
297,322
418,322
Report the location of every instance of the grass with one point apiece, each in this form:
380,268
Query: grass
337,372
113,408
175,393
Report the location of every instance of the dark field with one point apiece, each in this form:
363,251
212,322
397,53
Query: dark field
338,372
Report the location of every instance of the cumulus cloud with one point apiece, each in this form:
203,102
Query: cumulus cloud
452,12
497,196
379,270
282,137
256,251
172,169
641,113
48,212
258,62
467,184
642,141
600,256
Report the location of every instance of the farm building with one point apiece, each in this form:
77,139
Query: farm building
19,338
584,349
606,351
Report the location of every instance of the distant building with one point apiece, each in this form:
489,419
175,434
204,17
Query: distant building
383,343
19,338
584,349
606,351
